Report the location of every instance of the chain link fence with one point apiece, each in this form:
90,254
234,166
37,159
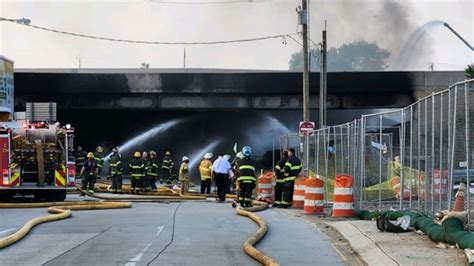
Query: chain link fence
409,158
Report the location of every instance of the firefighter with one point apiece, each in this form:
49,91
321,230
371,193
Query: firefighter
247,177
146,163
184,174
280,179
153,170
80,156
166,168
99,159
205,170
89,173
136,171
292,169
115,170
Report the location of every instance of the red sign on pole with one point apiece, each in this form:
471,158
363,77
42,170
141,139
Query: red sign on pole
307,128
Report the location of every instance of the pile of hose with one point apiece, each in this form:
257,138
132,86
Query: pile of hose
58,211
450,231
251,241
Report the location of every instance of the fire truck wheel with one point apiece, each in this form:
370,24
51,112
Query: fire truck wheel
5,196
55,195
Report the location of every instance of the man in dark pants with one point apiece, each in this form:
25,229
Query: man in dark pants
280,179
80,156
247,177
205,170
153,171
99,159
115,170
89,173
220,173
137,168
166,167
292,169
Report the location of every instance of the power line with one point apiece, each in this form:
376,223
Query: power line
204,2
282,36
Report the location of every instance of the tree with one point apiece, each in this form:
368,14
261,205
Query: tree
355,56
470,71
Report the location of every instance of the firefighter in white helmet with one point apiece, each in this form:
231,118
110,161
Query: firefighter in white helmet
205,170
184,175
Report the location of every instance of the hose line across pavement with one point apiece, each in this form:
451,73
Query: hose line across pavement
251,241
58,211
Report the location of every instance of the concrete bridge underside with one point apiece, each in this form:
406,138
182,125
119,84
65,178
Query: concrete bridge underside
151,89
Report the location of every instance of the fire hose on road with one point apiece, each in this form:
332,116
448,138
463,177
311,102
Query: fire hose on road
251,241
58,211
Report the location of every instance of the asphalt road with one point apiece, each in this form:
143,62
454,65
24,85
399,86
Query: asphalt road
189,233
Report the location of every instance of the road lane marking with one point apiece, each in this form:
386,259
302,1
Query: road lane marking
139,256
6,231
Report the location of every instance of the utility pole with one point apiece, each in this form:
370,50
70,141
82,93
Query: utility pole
303,15
323,82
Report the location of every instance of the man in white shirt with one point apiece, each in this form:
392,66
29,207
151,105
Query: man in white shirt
220,173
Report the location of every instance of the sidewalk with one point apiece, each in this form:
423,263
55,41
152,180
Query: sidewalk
378,248
381,248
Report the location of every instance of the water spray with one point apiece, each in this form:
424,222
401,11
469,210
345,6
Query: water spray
152,132
196,157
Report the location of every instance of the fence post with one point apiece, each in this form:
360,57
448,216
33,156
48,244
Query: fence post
453,145
362,160
441,145
402,145
468,153
380,160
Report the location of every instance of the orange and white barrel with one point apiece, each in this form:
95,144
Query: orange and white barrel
395,186
314,196
343,205
420,185
299,192
440,185
265,187
459,201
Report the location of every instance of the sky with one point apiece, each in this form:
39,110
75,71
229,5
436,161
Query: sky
388,23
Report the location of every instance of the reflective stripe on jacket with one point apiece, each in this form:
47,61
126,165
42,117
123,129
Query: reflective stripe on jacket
246,168
136,168
292,168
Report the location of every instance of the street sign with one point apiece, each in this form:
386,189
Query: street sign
307,128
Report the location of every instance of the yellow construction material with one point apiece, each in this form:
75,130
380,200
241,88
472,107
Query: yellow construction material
144,197
58,210
251,241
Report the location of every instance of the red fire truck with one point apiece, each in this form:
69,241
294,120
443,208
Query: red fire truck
36,152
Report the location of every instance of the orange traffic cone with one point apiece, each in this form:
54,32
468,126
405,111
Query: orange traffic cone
459,201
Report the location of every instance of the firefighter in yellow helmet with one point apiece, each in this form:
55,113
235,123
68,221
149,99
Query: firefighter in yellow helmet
99,159
89,173
205,170
137,168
